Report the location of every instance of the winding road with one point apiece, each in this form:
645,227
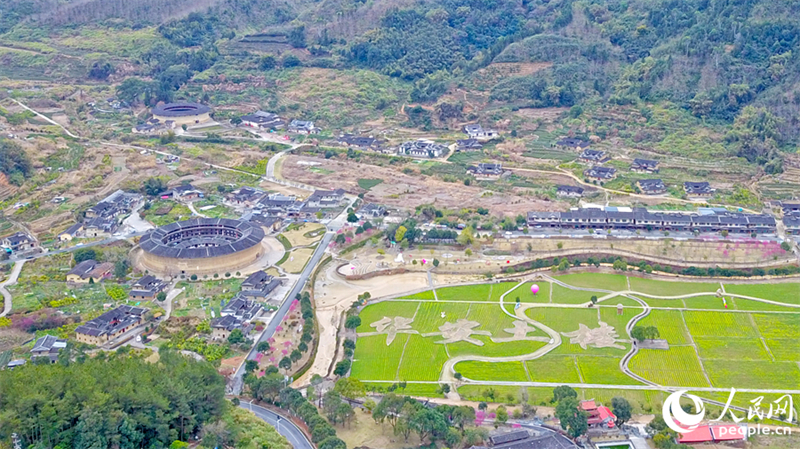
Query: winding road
12,279
284,426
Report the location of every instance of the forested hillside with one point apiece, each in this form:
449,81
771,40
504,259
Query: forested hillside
732,64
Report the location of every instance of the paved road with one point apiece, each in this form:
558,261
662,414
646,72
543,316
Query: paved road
75,248
237,382
288,429
12,279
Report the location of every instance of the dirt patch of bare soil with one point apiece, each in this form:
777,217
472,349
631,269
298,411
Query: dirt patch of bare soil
406,191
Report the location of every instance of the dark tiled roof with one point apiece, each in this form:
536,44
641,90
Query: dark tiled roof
112,321
200,238
569,189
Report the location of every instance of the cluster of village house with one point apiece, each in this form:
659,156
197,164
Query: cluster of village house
103,218
237,313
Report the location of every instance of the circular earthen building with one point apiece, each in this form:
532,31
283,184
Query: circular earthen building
202,246
182,113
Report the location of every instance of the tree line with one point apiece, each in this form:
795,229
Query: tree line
119,401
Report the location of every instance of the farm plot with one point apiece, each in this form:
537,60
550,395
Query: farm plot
500,371
731,349
773,325
671,288
376,312
612,302
429,315
719,324
753,374
603,370
422,359
500,288
669,324
788,292
642,401
553,368
677,366
471,293
492,349
784,350
373,360
611,282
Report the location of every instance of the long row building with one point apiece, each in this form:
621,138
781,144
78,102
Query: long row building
707,220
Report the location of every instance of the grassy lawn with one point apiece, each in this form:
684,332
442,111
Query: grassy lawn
367,183
287,245
523,292
373,360
677,366
498,289
464,293
665,303
787,292
748,304
553,368
562,295
612,282
375,312
503,371
707,302
670,288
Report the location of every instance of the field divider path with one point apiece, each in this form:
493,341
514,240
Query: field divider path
696,351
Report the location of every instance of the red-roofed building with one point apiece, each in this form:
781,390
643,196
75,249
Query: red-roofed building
599,416
701,434
714,434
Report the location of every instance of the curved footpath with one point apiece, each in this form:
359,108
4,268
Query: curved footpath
12,279
284,426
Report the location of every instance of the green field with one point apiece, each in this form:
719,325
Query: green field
670,288
788,292
669,324
502,371
422,359
554,368
612,282
376,312
498,289
745,345
366,183
677,366
374,360
471,293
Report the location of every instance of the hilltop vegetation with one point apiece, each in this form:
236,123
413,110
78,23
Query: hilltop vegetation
720,64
